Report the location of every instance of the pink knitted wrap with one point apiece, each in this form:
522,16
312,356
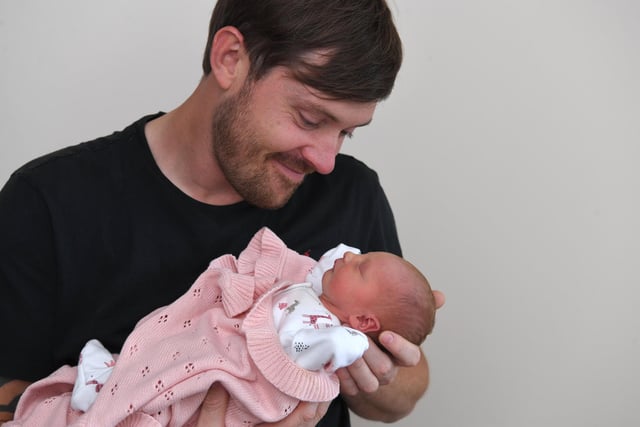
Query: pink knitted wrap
214,332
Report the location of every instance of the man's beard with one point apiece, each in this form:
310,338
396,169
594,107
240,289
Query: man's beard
243,159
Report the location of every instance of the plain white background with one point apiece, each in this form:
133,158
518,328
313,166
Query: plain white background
509,151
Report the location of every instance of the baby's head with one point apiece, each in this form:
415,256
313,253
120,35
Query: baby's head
379,291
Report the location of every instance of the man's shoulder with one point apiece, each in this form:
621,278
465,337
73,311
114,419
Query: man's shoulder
94,155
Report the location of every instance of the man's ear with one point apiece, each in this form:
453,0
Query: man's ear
228,58
364,322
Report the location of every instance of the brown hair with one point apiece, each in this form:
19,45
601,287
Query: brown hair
358,40
409,307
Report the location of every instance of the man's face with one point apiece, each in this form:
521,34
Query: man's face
276,131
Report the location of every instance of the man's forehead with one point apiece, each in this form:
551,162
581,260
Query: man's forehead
281,83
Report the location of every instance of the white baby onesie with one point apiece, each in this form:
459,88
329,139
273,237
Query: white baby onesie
309,333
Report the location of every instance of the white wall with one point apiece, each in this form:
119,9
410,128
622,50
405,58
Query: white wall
509,151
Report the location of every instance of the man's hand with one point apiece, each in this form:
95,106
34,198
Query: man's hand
385,386
306,414
376,368
214,408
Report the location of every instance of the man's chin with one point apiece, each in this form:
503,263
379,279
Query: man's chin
272,199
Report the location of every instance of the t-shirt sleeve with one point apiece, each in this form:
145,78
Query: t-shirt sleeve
27,281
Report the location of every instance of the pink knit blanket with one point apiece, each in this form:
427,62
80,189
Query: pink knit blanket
220,330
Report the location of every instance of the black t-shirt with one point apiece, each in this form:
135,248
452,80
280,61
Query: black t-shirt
94,237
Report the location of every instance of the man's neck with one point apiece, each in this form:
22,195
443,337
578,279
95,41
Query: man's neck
181,144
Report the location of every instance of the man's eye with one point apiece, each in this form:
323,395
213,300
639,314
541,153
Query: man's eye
308,123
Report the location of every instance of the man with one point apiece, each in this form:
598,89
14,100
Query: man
97,235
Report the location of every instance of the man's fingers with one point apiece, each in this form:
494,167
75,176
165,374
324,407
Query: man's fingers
314,413
439,297
213,407
306,414
348,386
405,353
359,377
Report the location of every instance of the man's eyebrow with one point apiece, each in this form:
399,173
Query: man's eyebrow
311,105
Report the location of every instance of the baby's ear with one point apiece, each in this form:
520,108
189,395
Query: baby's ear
364,322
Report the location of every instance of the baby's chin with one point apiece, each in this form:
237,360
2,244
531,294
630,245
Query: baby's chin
324,301
326,279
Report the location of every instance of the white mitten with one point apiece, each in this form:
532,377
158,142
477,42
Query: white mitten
94,368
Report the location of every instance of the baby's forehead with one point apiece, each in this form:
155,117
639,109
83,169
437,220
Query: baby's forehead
385,261
389,268
384,257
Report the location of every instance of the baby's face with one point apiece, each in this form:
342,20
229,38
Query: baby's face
356,279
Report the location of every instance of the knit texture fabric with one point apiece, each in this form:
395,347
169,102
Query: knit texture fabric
221,330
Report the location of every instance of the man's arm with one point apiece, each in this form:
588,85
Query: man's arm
10,392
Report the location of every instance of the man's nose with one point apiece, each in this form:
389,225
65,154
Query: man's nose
322,154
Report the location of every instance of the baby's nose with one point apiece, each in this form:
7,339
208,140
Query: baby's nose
348,256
